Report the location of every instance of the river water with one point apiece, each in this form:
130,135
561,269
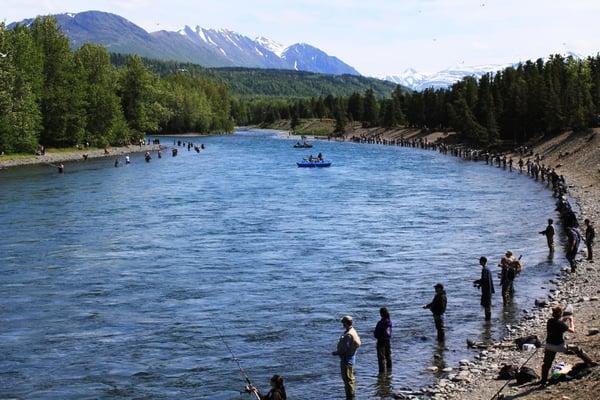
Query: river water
118,283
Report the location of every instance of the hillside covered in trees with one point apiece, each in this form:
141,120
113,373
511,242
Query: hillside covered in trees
512,106
52,96
257,82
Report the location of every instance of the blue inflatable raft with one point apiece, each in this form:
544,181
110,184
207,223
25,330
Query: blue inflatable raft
314,164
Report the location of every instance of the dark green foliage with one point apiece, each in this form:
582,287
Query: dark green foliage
55,97
252,82
370,115
340,119
62,104
105,121
513,105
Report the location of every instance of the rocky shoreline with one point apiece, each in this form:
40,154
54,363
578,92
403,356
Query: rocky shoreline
76,155
476,379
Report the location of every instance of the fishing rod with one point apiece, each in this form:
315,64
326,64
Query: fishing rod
237,360
508,381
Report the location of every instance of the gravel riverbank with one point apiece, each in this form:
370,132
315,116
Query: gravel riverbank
577,157
76,155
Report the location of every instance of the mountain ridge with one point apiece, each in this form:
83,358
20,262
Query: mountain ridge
206,47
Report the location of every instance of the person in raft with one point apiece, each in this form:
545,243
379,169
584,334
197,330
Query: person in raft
555,342
277,391
346,349
438,308
549,233
486,284
383,334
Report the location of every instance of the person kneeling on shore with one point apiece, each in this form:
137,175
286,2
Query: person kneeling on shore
555,342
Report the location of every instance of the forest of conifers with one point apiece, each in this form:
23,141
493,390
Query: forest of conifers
512,106
52,95
57,97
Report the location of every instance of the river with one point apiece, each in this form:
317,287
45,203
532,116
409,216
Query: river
124,283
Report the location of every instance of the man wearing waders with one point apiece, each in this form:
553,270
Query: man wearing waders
486,284
383,334
573,240
438,308
549,233
346,349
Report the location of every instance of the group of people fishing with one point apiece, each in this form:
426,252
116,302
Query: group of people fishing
147,155
510,267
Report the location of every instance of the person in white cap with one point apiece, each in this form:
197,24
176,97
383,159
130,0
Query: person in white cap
346,349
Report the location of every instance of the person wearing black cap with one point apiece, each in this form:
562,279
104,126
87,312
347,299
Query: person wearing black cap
346,349
438,308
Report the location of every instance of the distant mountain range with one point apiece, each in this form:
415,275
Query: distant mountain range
420,81
207,47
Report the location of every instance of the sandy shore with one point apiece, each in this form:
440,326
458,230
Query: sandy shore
76,155
577,157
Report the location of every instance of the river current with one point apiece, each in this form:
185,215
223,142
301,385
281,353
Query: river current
125,283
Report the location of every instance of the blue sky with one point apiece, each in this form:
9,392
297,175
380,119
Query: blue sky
376,37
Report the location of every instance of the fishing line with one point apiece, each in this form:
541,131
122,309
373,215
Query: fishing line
237,360
508,381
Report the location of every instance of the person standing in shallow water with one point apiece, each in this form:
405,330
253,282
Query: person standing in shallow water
573,241
383,334
438,308
486,284
549,233
346,349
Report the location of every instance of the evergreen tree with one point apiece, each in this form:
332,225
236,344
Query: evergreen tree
340,120
62,98
370,109
389,117
105,122
7,76
135,94
295,121
26,58
355,107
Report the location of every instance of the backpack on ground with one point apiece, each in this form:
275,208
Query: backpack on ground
526,375
508,372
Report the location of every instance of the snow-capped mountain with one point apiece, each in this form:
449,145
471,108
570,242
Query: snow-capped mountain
272,45
208,47
420,81
442,79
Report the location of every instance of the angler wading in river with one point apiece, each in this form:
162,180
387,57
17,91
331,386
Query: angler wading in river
383,334
438,308
346,349
486,284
